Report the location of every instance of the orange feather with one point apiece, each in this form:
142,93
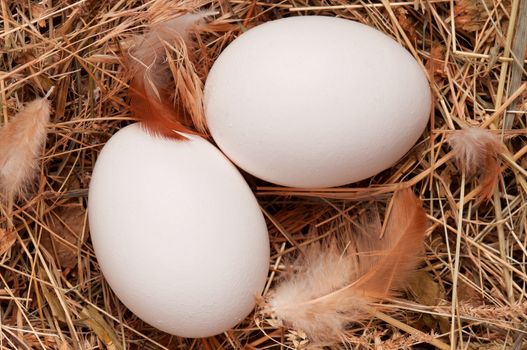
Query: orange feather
334,284
150,97
156,116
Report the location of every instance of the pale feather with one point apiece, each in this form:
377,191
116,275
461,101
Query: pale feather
476,151
21,143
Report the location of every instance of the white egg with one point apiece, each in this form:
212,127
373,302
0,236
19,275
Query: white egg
177,232
315,101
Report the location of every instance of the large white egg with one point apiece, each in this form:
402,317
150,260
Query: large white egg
315,101
177,232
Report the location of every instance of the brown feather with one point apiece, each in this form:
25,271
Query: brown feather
332,283
476,152
21,142
155,116
150,97
398,251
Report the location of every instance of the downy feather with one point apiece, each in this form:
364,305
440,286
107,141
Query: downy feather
333,282
150,93
21,142
476,152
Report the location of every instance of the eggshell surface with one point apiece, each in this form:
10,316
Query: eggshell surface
177,232
315,101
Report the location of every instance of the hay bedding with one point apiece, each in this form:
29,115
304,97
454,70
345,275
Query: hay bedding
470,291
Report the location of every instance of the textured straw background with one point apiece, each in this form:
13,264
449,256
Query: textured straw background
470,292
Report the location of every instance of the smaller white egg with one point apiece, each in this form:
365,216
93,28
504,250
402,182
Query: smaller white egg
177,232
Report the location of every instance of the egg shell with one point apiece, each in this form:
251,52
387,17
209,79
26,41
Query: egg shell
177,232
315,101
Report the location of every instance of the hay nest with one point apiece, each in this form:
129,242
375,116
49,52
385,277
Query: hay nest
470,291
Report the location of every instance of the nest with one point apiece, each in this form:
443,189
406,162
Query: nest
470,290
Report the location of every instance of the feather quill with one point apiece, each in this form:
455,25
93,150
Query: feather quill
333,283
476,152
149,91
21,142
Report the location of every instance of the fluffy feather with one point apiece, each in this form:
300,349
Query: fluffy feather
149,91
21,142
333,282
476,152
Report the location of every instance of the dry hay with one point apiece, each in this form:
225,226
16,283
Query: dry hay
470,292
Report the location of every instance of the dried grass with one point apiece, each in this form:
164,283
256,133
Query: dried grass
476,259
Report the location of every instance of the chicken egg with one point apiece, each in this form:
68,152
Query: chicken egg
315,101
177,232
